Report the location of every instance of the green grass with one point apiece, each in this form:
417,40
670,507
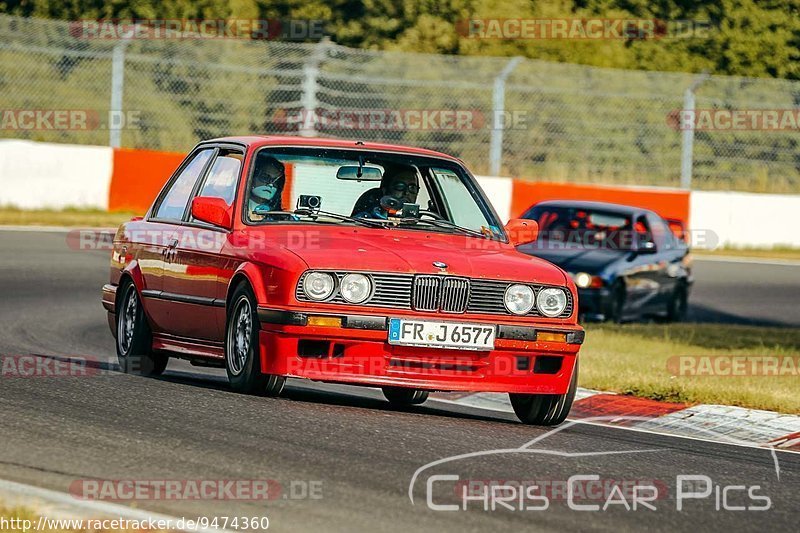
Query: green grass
73,217
632,359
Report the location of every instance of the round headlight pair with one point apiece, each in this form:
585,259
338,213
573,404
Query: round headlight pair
519,299
354,288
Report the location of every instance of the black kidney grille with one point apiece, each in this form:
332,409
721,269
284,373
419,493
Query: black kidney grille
437,293
455,295
426,293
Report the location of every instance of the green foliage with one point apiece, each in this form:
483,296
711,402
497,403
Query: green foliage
745,37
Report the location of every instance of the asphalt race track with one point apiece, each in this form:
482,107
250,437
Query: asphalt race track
359,454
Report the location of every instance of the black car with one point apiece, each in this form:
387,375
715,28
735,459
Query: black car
625,261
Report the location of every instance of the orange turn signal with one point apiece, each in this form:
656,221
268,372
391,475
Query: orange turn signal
548,336
327,321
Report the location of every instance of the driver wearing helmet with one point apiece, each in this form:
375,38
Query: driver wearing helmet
269,178
401,184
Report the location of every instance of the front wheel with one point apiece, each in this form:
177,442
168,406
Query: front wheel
545,409
242,360
402,396
134,339
678,304
616,304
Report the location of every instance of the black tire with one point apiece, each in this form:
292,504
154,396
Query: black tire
616,304
402,396
545,409
134,338
678,304
242,360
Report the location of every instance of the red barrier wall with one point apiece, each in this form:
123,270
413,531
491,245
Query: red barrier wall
138,177
669,203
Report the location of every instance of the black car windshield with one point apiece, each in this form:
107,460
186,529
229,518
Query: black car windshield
368,188
579,227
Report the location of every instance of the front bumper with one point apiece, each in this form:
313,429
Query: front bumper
358,353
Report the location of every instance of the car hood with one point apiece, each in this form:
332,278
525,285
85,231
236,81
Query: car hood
589,260
411,251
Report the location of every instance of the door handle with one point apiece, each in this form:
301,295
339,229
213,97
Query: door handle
170,251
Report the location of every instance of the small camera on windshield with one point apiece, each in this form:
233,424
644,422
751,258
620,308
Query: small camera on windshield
308,201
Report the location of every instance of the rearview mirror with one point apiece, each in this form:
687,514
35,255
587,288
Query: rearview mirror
522,231
213,211
357,173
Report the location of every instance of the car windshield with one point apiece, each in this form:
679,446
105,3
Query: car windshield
333,186
584,228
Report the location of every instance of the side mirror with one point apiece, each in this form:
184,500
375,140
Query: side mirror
644,245
213,211
522,231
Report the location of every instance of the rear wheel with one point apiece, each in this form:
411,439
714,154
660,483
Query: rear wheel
403,396
134,339
545,409
242,360
678,304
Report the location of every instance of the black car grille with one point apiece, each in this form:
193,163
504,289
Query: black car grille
436,293
447,294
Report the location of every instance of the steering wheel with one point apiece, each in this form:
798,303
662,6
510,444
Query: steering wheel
435,216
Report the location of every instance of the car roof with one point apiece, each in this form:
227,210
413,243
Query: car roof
257,141
600,206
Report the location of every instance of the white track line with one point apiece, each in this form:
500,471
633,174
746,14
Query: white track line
90,508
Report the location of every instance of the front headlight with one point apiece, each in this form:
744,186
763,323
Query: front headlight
551,302
355,288
583,280
318,285
518,299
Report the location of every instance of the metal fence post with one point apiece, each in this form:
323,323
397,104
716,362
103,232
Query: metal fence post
687,133
498,110
117,89
309,98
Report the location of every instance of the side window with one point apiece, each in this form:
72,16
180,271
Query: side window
224,175
173,204
462,206
661,233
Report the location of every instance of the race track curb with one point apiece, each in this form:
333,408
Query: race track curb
704,421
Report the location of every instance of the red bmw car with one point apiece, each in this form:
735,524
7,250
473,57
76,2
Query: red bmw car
344,262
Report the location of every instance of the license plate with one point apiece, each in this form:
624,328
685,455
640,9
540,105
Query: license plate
453,335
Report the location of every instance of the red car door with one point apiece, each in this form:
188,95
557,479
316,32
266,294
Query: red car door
157,241
192,279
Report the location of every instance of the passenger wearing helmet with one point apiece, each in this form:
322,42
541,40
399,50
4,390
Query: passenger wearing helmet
269,178
401,183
